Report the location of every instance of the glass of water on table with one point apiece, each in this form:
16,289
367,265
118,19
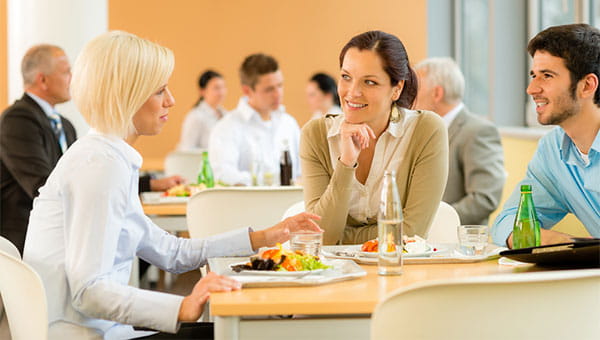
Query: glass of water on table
472,239
307,242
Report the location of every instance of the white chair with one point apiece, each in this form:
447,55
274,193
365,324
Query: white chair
444,225
9,248
184,163
218,210
24,299
294,209
542,305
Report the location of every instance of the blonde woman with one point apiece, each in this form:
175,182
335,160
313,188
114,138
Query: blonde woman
87,224
344,157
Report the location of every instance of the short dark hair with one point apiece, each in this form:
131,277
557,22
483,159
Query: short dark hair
203,80
578,45
327,85
395,61
256,65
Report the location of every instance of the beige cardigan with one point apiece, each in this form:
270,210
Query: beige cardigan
421,180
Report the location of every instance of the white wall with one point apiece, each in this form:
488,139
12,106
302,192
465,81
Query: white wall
66,23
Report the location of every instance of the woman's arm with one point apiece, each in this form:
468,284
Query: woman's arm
324,194
428,176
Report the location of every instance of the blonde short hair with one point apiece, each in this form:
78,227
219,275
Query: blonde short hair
444,71
114,76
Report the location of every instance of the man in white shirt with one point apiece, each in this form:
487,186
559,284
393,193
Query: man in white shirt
476,166
246,145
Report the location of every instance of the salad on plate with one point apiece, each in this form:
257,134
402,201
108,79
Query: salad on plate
281,260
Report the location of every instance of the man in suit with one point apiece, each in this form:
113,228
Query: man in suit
33,136
476,166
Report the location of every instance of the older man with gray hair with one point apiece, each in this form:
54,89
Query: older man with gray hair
476,170
33,136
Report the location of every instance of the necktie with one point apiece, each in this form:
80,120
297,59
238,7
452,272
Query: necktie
58,130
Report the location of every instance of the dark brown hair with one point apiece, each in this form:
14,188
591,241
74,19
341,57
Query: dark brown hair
578,45
395,61
203,80
327,85
256,65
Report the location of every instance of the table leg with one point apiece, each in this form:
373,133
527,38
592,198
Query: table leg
227,327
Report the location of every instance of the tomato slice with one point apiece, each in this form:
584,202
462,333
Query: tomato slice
370,246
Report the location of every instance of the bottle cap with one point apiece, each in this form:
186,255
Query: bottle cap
526,188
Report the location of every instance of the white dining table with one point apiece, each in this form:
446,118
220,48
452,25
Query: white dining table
339,310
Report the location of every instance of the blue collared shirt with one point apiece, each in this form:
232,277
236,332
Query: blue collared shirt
46,107
561,182
86,227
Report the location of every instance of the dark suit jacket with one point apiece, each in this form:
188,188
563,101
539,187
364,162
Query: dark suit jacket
29,150
476,168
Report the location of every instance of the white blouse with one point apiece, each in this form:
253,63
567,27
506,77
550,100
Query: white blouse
391,148
86,227
197,126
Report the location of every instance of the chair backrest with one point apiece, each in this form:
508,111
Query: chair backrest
9,248
542,305
184,163
218,210
24,299
293,209
444,225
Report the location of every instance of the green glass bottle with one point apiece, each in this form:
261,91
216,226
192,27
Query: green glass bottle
526,230
205,176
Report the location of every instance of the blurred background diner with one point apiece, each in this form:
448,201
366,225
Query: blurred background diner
207,111
322,96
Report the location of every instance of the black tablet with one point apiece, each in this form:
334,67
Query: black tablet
580,252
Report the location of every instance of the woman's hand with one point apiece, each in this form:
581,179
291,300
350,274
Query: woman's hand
280,232
192,305
354,138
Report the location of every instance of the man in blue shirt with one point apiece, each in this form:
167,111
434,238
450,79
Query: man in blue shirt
565,170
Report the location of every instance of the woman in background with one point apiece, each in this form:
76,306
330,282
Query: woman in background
344,157
322,96
87,224
196,128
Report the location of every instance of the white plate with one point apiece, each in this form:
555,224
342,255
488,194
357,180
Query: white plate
356,249
275,273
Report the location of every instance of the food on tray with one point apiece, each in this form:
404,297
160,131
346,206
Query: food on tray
186,190
183,190
412,245
279,259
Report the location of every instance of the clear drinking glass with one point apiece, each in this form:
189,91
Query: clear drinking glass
307,242
472,239
389,227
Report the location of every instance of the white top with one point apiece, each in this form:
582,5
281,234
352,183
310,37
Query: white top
197,126
390,148
584,157
242,144
86,226
449,117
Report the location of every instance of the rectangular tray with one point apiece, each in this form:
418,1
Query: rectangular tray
342,270
158,198
447,254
